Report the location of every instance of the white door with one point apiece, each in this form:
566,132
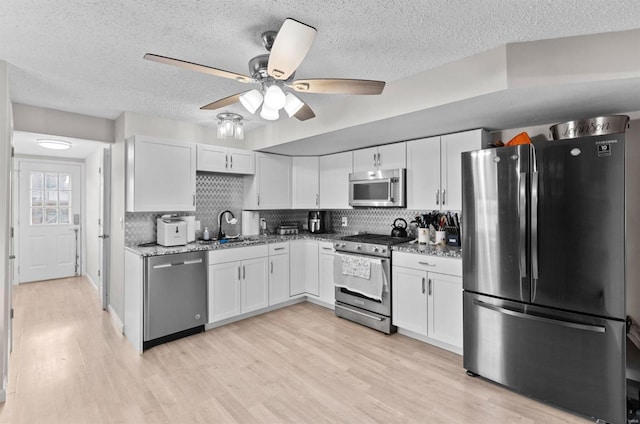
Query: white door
49,220
104,222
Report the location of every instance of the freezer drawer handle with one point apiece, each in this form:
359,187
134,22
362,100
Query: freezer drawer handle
361,313
574,325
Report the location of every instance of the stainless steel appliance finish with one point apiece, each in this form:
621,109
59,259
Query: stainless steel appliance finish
384,188
372,313
175,296
319,222
544,271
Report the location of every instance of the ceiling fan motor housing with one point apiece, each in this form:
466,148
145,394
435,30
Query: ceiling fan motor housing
258,69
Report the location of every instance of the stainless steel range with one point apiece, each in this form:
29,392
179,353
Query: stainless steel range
362,275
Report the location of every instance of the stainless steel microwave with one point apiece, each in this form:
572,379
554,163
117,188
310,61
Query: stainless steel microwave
380,189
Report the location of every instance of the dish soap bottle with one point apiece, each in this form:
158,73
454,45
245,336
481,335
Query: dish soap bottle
205,234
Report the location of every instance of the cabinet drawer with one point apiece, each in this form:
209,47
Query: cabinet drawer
278,248
325,247
451,266
237,254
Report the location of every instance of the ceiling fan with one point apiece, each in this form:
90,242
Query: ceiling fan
287,47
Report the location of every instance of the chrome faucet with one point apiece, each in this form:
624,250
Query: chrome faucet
233,220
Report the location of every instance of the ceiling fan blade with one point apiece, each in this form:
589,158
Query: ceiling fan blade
289,48
198,68
223,102
305,113
337,86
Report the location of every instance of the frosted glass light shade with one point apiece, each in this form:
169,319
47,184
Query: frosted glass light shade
292,104
274,98
268,113
54,144
251,100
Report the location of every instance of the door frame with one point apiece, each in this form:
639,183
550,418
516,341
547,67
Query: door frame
18,161
104,260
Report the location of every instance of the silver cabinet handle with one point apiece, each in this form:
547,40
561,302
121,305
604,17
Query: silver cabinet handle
258,200
426,264
529,316
327,248
423,285
430,287
231,162
194,199
374,160
444,192
239,273
272,267
278,248
226,161
317,199
437,197
244,274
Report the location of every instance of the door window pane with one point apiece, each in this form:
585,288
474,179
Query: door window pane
36,216
64,197
51,198
51,215
36,198
37,180
51,181
65,182
63,217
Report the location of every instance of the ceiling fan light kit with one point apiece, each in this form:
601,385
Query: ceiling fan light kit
288,48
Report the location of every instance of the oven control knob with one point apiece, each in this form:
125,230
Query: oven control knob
383,250
358,247
375,249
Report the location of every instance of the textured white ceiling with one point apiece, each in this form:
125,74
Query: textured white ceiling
86,56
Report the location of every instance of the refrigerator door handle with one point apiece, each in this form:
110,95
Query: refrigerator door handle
569,324
522,211
534,233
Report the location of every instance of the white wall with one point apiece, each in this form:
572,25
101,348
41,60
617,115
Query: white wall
6,131
92,214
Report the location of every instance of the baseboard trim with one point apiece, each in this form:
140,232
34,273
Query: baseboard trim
257,312
425,339
318,301
3,396
93,283
115,320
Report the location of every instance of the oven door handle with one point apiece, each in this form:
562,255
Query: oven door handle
361,313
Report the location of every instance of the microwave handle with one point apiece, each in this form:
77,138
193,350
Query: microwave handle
389,198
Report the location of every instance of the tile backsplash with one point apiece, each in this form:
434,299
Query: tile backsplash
218,192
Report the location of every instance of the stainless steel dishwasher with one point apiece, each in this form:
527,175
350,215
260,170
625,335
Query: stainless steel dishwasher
175,297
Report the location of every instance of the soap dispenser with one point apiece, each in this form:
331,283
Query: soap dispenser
205,234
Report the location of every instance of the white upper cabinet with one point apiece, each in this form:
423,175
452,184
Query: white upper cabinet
225,159
434,172
161,175
334,180
270,187
305,182
388,156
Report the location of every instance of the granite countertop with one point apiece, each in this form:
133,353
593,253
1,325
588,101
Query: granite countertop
216,245
426,249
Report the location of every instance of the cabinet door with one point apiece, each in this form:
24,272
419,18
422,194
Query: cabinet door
334,180
278,278
392,156
212,158
445,308
305,182
311,281
161,175
296,267
224,290
254,285
423,174
325,274
241,162
452,147
274,181
409,299
365,159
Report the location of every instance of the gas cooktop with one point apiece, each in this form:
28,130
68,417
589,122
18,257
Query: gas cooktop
377,239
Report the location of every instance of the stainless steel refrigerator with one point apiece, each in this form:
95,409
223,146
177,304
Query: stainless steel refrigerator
544,271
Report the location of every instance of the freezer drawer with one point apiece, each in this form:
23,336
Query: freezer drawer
573,361
175,296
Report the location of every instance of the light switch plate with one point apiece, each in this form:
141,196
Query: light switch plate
344,221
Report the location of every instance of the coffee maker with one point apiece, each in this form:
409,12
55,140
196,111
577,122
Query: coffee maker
319,222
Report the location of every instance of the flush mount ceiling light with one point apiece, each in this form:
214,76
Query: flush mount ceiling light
54,144
230,126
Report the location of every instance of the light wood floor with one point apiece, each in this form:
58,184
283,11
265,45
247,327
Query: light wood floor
300,364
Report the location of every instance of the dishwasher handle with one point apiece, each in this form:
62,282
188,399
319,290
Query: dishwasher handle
170,264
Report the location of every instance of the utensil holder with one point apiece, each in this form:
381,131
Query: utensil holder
453,236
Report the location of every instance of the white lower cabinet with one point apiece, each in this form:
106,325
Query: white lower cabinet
304,267
427,298
325,272
278,273
237,281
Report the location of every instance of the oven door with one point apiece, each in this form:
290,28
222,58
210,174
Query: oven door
377,188
353,298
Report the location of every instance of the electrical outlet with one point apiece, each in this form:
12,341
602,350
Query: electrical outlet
344,221
197,226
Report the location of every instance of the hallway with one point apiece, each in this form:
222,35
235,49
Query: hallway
299,364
